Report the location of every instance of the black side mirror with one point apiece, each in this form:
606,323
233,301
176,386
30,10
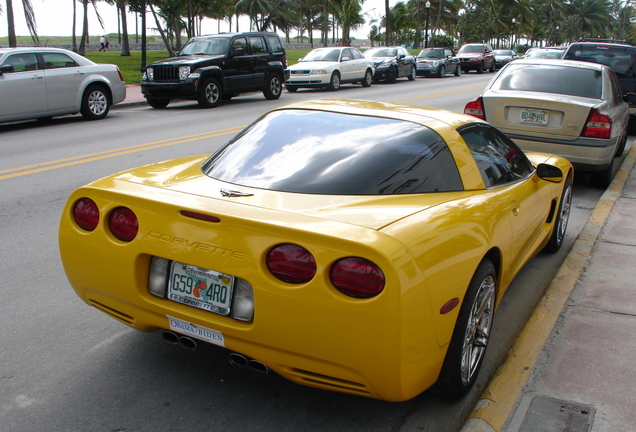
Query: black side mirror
550,173
6,68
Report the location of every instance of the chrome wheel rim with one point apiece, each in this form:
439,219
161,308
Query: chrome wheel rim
564,214
478,329
212,93
97,103
275,86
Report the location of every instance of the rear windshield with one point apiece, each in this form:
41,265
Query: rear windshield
547,78
621,59
315,152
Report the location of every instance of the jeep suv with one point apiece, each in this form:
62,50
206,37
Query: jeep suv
620,56
211,68
476,56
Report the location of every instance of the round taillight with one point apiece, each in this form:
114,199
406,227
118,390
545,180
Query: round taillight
357,277
291,263
86,214
123,224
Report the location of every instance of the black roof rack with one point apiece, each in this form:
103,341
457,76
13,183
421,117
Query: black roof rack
600,40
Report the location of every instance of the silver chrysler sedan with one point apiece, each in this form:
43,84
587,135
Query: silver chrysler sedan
39,83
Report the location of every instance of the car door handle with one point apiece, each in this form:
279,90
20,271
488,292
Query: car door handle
37,77
514,207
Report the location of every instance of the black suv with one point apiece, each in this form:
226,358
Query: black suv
620,56
215,67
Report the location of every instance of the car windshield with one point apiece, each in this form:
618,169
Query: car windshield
432,53
471,49
547,78
323,55
621,59
210,46
316,152
502,52
380,52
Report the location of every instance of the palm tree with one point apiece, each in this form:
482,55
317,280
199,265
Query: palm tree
29,16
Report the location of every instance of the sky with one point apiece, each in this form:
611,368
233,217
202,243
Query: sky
55,18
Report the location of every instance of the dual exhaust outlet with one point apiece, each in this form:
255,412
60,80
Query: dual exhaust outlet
237,360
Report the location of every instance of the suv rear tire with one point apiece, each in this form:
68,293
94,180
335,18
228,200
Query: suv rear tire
273,87
210,94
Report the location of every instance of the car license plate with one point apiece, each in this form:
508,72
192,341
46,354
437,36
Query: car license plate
201,288
534,116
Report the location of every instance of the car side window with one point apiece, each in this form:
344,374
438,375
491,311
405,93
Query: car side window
448,53
258,45
240,43
355,54
500,161
617,92
58,60
346,53
275,43
22,62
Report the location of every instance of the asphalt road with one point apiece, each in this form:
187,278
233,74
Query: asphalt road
65,366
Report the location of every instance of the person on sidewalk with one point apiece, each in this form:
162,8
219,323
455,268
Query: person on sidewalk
106,43
101,42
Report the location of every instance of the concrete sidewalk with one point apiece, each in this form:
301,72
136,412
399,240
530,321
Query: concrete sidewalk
133,96
573,366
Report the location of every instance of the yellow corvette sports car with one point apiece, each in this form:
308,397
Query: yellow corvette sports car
354,246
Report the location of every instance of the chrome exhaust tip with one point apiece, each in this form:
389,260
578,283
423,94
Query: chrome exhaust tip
257,366
237,360
170,337
187,343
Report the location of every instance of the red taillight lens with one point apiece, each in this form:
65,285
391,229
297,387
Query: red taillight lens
86,214
291,263
597,125
357,277
476,108
123,224
121,77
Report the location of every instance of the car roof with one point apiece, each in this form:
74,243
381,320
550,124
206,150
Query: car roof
32,49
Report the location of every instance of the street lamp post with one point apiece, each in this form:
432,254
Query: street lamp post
428,7
556,41
512,35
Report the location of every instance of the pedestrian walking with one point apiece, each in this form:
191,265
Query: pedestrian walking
102,43
106,43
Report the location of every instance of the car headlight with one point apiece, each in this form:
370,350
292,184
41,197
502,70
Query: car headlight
319,72
384,64
435,63
149,75
184,72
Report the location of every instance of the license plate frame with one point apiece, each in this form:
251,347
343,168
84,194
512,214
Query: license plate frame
200,288
534,116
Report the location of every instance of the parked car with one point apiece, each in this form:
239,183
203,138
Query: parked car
40,83
544,53
588,126
391,63
213,68
503,57
476,56
438,62
620,56
329,68
323,228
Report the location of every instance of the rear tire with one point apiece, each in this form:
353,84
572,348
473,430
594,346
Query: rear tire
368,78
561,219
291,89
95,103
602,179
273,87
210,94
470,338
413,74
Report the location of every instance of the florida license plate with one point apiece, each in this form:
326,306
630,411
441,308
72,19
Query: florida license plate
534,116
200,288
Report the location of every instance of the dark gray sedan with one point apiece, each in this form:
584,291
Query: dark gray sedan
437,62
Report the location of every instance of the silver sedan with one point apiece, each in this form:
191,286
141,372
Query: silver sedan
573,109
39,83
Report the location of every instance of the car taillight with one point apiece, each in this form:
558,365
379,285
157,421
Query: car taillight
357,277
123,224
86,214
476,108
121,77
597,125
291,263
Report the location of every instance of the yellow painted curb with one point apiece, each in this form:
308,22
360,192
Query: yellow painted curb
499,399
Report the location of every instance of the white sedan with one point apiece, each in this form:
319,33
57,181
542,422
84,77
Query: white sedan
329,68
572,109
39,83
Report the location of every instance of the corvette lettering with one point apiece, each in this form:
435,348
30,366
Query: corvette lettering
204,247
